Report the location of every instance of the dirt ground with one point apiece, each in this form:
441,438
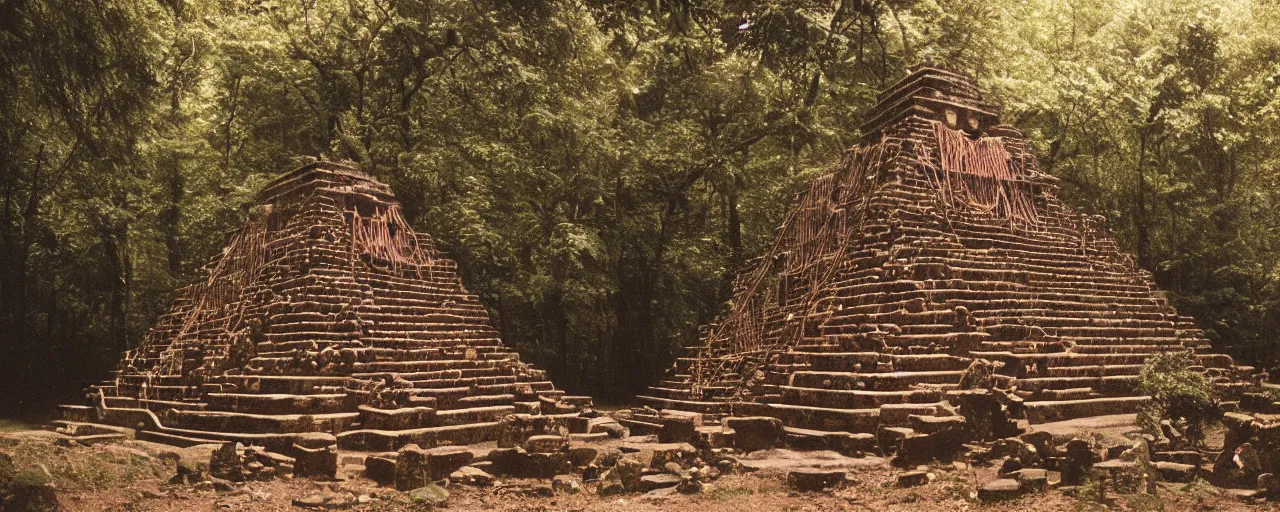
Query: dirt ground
131,477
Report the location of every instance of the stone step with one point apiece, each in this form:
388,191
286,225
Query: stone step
283,384
895,381
826,418
853,399
280,403
430,437
224,421
1050,411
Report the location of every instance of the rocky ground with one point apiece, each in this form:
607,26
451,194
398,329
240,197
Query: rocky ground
135,475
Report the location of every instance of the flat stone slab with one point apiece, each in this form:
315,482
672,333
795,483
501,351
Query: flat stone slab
811,479
997,490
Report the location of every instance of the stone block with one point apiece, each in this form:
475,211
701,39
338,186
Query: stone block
413,468
659,481
756,432
811,479
999,490
381,468
319,463
1031,479
913,479
678,429
444,460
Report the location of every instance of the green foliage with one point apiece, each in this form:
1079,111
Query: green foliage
1178,394
599,169
1090,495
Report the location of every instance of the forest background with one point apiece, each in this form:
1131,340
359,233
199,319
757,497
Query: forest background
600,169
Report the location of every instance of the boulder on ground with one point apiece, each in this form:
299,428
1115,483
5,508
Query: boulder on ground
413,469
1031,479
471,475
997,490
546,443
681,453
430,495
1175,472
321,463
689,485
581,455
812,479
1077,462
381,468
913,478
1268,485
659,481
444,460
565,483
628,470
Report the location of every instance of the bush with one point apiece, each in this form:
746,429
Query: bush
1177,394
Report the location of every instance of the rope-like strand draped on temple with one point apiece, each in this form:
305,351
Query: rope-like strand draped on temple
981,176
812,241
385,236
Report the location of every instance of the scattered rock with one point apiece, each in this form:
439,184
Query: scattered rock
1041,440
1009,465
1077,462
651,482
681,454
810,480
546,444
431,495
689,485
1174,472
629,471
566,484
913,478
413,470
381,468
310,501
1247,459
583,455
1268,484
610,484
316,462
470,475
1031,479
997,490
444,460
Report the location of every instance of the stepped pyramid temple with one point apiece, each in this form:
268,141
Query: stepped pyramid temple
935,257
326,314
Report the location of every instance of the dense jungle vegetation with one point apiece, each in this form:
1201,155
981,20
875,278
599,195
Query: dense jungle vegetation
599,168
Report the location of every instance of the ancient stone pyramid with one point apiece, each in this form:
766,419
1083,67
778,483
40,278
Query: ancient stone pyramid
936,242
325,313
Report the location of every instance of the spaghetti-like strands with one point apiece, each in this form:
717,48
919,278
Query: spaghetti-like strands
386,237
981,176
806,254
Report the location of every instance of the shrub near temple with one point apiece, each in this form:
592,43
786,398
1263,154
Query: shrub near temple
1178,394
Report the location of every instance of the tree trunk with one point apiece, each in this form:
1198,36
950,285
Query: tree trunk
1140,217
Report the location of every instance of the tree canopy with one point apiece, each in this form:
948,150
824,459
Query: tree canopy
600,169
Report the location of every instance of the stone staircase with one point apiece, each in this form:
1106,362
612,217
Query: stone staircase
325,314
